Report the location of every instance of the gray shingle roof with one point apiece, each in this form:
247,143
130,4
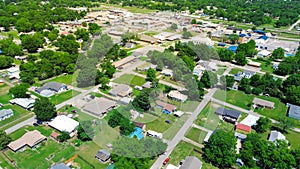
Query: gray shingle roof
294,111
191,162
55,86
226,112
5,112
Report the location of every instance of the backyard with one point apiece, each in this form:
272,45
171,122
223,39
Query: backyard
59,98
68,79
234,71
4,95
130,79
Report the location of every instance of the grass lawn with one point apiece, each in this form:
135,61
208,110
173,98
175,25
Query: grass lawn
221,70
265,66
234,71
4,163
159,124
236,98
184,149
143,58
4,95
67,79
208,119
130,80
59,98
196,135
172,131
150,33
18,113
50,149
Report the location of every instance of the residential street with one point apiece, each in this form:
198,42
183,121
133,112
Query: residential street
180,135
22,124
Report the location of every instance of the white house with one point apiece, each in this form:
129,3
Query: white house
26,103
64,123
176,95
276,135
6,113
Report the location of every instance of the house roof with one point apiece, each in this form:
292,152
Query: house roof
126,100
23,102
294,111
64,123
30,138
60,166
103,155
55,86
147,38
250,120
276,135
6,112
226,112
191,162
120,90
168,72
99,106
243,127
139,124
147,85
166,106
123,61
262,102
263,53
177,95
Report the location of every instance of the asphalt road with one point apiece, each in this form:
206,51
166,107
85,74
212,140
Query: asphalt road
23,123
180,134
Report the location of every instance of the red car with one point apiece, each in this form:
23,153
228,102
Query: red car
166,161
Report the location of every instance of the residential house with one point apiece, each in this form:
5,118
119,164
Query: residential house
126,100
293,111
121,90
30,139
25,103
211,66
118,64
178,113
176,95
149,39
276,135
250,120
191,162
242,127
167,72
60,166
263,53
64,123
103,156
13,73
166,107
50,88
99,106
147,85
228,115
245,74
129,45
257,102
5,114
198,70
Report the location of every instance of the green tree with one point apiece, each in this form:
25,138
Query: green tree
244,83
209,79
32,42
227,81
5,62
44,109
174,26
126,127
277,54
233,38
23,25
94,28
19,91
186,34
142,101
240,58
127,36
189,62
221,150
104,82
292,94
151,75
82,34
285,123
193,21
262,125
4,139
64,136
85,131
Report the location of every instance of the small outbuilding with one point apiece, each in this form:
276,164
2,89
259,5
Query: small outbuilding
103,156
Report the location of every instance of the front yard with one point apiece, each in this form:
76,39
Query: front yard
59,98
196,135
130,79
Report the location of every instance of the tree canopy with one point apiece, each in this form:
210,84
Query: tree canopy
44,109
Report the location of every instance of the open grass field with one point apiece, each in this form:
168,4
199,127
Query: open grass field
59,98
184,149
67,79
130,79
234,97
4,163
196,134
19,113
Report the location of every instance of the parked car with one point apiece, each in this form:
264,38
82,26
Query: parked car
168,121
35,124
166,161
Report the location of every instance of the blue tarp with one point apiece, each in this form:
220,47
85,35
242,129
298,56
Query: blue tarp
264,37
138,132
0,51
289,55
112,166
232,48
221,44
259,32
242,35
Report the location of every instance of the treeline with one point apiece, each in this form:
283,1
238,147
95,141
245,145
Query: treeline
257,12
